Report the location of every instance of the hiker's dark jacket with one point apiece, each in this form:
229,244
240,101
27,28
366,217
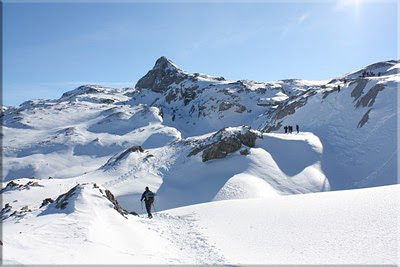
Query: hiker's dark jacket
147,196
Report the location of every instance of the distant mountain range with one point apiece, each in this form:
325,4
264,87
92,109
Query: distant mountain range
74,169
79,132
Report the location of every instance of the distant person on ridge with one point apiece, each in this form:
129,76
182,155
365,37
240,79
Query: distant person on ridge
285,129
297,128
338,88
148,197
290,129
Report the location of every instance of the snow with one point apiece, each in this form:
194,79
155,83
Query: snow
269,205
353,156
342,227
348,227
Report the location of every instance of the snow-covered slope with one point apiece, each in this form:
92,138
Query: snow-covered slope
180,176
356,125
171,111
76,134
198,139
82,130
343,227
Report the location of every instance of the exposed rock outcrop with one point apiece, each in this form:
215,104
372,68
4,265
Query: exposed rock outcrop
369,98
114,201
222,148
62,200
163,74
364,119
244,152
116,159
284,109
226,141
357,91
128,151
289,107
8,211
46,201
5,212
225,105
13,186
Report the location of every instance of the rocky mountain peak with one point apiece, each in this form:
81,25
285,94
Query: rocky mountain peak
161,76
166,64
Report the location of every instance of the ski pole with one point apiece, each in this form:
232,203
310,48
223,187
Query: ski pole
154,208
141,204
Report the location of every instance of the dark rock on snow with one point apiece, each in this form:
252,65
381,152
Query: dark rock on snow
62,200
114,201
163,74
128,151
222,148
46,201
244,152
224,142
13,185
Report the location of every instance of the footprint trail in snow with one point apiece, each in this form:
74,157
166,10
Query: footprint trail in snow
186,235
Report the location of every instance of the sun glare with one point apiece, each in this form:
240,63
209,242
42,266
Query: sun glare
350,4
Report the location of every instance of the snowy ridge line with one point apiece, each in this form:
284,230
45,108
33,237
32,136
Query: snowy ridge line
225,194
339,227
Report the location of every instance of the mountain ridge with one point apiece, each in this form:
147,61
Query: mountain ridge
229,182
94,123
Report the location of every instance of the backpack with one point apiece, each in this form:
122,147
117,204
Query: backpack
150,196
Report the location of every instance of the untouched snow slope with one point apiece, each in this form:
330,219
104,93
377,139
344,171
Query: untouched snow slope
342,227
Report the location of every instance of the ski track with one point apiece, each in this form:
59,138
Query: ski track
122,178
186,235
153,164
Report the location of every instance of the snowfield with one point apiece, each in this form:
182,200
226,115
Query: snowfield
342,227
232,187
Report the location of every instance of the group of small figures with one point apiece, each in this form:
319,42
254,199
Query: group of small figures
289,129
369,74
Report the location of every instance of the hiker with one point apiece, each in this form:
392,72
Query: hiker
290,129
338,88
285,129
297,128
148,197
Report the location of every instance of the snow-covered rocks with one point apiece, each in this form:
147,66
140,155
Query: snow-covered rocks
340,227
180,134
71,200
79,133
164,74
12,185
225,141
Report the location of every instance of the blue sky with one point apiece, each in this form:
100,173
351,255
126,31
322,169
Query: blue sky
50,48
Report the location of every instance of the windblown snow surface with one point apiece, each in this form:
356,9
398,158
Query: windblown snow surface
352,227
232,187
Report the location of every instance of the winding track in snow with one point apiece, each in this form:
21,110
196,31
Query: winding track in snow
185,234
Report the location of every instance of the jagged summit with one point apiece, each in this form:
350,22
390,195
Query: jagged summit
166,64
92,124
198,139
163,74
